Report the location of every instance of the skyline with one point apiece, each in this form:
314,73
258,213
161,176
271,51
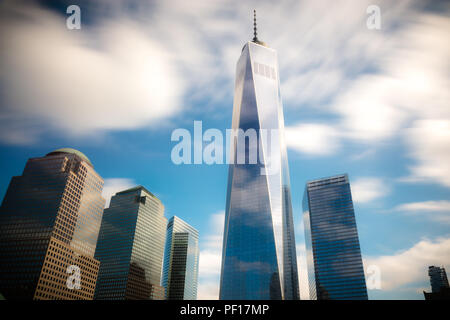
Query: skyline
369,120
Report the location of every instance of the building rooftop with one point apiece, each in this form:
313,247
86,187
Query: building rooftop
71,151
136,189
341,178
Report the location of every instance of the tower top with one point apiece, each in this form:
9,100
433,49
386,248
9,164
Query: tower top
255,35
71,151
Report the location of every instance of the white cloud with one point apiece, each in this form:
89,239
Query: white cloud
211,258
365,113
114,185
410,266
210,262
429,142
314,139
368,189
408,79
105,77
316,86
120,74
208,290
434,210
442,205
411,87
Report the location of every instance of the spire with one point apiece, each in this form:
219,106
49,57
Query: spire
255,38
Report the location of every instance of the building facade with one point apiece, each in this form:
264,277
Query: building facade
130,247
259,257
49,223
335,267
440,289
438,278
181,259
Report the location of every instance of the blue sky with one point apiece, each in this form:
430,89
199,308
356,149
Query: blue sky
370,103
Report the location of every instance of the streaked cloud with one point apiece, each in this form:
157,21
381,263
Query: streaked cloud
367,189
400,78
410,267
429,143
442,205
109,76
148,60
434,210
314,139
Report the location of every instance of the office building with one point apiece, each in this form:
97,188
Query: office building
440,289
49,223
130,247
181,259
259,260
335,267
438,278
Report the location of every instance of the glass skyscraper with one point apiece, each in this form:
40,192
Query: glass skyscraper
335,267
49,221
130,247
438,278
181,258
440,289
259,257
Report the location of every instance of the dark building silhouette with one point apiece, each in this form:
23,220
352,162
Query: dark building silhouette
439,284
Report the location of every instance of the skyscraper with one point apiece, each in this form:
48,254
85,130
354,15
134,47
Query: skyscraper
438,278
335,268
130,247
49,223
259,257
181,258
440,289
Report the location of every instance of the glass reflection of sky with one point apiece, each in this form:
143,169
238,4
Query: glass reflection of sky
258,222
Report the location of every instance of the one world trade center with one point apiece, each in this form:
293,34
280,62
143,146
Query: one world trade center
259,258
